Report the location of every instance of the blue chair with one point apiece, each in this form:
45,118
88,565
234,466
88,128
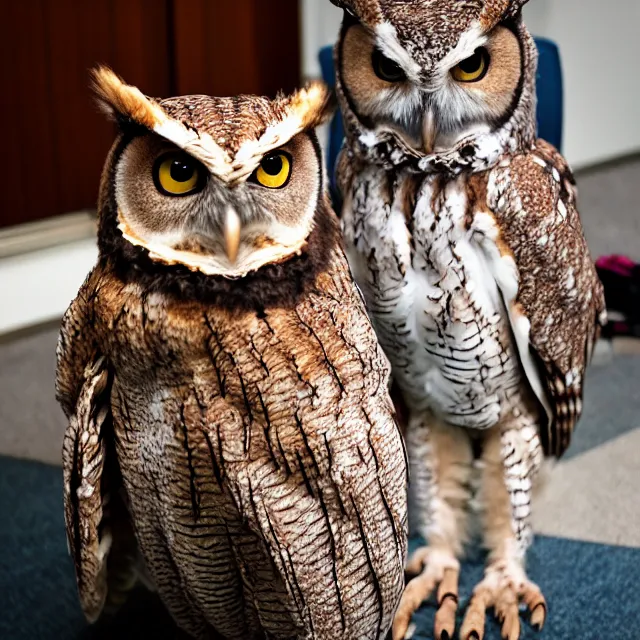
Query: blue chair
550,100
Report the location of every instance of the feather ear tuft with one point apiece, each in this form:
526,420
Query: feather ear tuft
122,102
313,105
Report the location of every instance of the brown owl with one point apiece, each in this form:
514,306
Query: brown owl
231,441
463,231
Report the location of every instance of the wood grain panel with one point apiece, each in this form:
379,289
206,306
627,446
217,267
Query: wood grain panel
279,58
27,161
55,140
142,51
239,46
58,140
78,36
131,37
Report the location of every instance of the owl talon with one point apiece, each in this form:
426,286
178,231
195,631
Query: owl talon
445,623
435,568
474,620
417,561
536,604
539,616
502,593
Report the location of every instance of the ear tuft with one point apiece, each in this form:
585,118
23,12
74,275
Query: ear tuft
314,105
122,102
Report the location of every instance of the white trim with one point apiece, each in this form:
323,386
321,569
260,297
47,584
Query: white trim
49,232
38,287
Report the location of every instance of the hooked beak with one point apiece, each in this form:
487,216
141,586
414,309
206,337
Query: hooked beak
429,131
232,225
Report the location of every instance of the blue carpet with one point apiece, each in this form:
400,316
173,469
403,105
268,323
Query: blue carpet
592,590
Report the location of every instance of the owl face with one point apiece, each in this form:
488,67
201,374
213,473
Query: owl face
433,73
470,90
220,185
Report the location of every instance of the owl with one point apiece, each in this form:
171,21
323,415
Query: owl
231,441
462,231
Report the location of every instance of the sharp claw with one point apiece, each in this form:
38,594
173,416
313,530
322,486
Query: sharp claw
434,568
445,622
453,597
539,616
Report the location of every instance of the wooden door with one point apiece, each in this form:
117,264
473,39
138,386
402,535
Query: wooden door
55,139
236,46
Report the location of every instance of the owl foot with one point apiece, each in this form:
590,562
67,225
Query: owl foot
503,590
434,568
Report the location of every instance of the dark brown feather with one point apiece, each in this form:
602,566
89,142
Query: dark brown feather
560,292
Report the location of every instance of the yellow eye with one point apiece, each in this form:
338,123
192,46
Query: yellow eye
274,170
474,68
178,174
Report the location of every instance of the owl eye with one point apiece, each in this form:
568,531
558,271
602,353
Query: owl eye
386,69
178,174
474,68
274,170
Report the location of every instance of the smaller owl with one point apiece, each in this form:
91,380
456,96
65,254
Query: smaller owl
463,232
231,441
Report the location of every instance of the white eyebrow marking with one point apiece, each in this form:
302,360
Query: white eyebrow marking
387,41
470,40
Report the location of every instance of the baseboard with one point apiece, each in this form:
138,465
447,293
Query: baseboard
608,163
50,232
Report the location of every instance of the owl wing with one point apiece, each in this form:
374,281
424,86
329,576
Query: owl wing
95,516
559,307
317,527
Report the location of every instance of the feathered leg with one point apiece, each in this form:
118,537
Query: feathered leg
440,459
510,461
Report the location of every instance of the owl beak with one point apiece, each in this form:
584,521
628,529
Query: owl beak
429,131
232,226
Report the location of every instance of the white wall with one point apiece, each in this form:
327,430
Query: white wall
320,25
600,46
39,286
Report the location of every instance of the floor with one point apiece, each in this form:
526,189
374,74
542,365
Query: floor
592,494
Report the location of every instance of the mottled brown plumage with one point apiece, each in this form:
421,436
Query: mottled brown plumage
462,230
231,442
559,291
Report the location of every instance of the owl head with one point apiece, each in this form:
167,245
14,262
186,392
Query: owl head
221,186
442,84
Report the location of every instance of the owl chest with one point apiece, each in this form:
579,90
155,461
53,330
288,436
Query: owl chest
430,275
